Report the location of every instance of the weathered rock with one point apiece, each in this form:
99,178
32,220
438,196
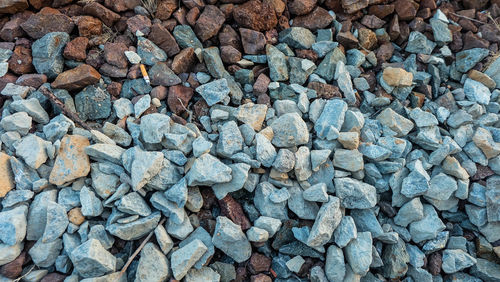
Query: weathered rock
289,130
185,257
229,238
47,53
327,219
90,259
153,264
355,194
77,78
359,253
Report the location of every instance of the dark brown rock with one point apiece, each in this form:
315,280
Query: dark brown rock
121,5
114,54
165,9
76,49
20,61
190,4
184,61
178,98
209,23
13,6
14,268
431,4
160,36
318,18
325,91
12,29
159,92
475,4
192,16
6,79
53,277
306,54
77,78
232,209
352,6
229,54
260,85
490,32
88,26
372,21
139,22
434,263
471,40
114,89
301,7
482,172
253,42
45,21
381,11
94,58
33,80
367,38
384,52
255,15
406,9
134,72
38,4
229,37
347,39
97,10
258,263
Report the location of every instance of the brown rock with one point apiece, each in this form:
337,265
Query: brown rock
258,263
97,10
76,49
372,21
306,54
279,6
88,26
406,9
190,4
53,277
229,55
184,61
134,72
348,40
352,6
397,77
233,210
483,78
490,32
457,43
180,15
4,80
114,88
192,16
260,278
139,22
384,52
75,216
417,24
471,40
38,4
71,162
367,38
424,13
434,263
160,36
431,4
77,78
283,23
253,42
381,11
475,4
467,25
114,71
165,9
122,5
318,18
33,80
178,98
12,29
209,23
229,37
13,6
404,33
45,21
255,15
6,175
159,92
301,7
14,268
325,91
20,61
114,54
264,99
260,85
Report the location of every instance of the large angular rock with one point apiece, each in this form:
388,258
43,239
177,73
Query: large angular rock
265,206
153,265
77,78
208,170
145,166
6,175
33,151
239,174
327,219
456,260
215,91
394,121
13,6
13,225
90,259
185,257
71,162
278,69
289,130
355,194
46,21
396,259
331,119
135,229
93,103
47,53
428,227
229,238
359,253
335,268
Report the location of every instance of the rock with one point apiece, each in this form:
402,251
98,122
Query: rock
202,274
209,22
428,227
97,10
397,123
467,59
278,70
229,238
255,234
289,130
359,253
416,183
77,78
226,271
215,91
145,166
161,74
456,260
493,71
395,259
46,21
239,174
13,6
477,92
57,221
107,152
185,37
208,170
33,108
91,205
164,39
486,270
297,37
345,232
316,193
355,194
135,229
33,150
409,212
327,219
295,264
6,175
21,61
397,77
150,53
178,97
350,160
9,253
90,259
185,257
13,225
419,44
253,41
154,126
331,119
153,264
335,268
255,15
47,53
14,90
93,103
317,19
45,254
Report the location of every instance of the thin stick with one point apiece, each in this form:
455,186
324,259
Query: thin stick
471,19
26,274
73,116
131,258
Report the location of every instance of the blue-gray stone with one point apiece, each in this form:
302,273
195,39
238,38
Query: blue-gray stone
345,232
418,43
297,204
326,69
355,194
327,219
13,225
57,221
329,123
437,243
456,260
15,197
91,205
493,71
324,47
416,255
374,152
477,92
150,53
442,33
396,259
467,59
93,103
229,238
359,253
45,254
135,229
335,267
133,87
186,38
90,259
409,212
297,37
428,227
264,204
47,53
202,235
366,221
133,203
215,91
278,70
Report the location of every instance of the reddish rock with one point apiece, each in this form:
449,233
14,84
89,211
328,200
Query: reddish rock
45,21
253,42
372,21
417,24
260,278
326,91
229,37
192,16
14,268
264,99
348,40
190,4
97,10
8,78
482,172
33,80
424,13
180,15
384,52
159,92
351,6
434,263
121,5
13,6
258,263
404,33
431,4
301,7
232,209
77,78
139,22
229,54
381,11
467,25
114,54
475,4
306,54
319,18
241,274
209,23
178,98
255,15
160,36
134,72
114,71
490,32
88,26
184,61
53,277
12,29
406,9
283,23
260,85
76,49
114,89
200,108
20,61
457,43
94,58
165,9
471,40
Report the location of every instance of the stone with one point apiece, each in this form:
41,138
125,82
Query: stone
93,103
21,61
154,126
397,77
295,264
109,152
253,41
230,139
239,174
316,193
14,90
419,44
415,184
278,70
77,78
185,257
350,160
395,259
335,267
32,149
208,170
397,123
359,253
46,21
409,212
91,205
477,92
345,232
289,130
428,227
13,225
202,274
47,53
178,98
467,59
456,260
493,71
33,108
57,221
486,270
255,234
145,166
215,91
13,6
252,114
149,52
161,74
355,194
153,264
229,238
255,15
45,254
135,229
6,176
90,259
331,119
297,37
209,22
327,219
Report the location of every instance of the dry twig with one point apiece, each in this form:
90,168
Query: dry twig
151,6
